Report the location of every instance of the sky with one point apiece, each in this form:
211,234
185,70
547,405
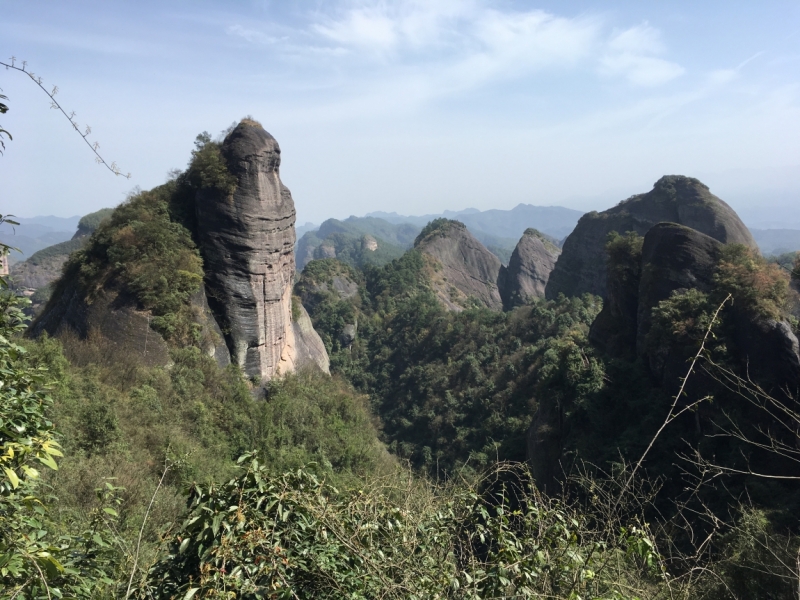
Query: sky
413,106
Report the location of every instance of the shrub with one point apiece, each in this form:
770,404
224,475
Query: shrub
296,536
756,285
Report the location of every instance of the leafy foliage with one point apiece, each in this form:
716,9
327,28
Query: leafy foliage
756,285
35,561
64,248
89,223
456,388
207,168
141,250
295,536
439,226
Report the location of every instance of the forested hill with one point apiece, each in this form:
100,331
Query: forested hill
651,430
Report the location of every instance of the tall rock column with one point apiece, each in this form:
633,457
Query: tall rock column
247,240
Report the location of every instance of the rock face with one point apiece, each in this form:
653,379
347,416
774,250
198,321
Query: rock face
111,317
247,241
243,309
309,349
674,198
676,259
528,270
463,267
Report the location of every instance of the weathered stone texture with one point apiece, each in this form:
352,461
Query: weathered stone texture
528,270
466,266
247,241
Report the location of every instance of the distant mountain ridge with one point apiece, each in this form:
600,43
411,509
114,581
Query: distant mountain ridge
498,230
555,221
36,233
777,241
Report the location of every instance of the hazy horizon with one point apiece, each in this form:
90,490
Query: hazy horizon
412,107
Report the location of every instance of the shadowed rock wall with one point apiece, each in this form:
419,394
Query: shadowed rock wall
674,198
530,266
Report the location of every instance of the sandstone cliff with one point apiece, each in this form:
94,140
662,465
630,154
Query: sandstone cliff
661,293
140,283
674,198
528,270
462,269
247,242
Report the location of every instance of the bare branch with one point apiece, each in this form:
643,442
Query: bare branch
70,117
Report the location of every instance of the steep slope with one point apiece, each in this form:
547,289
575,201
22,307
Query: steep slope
462,269
205,260
674,198
247,238
528,270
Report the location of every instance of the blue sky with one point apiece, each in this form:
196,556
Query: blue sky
410,106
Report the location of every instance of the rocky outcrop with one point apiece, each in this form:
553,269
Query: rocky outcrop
111,316
462,267
528,270
247,241
674,198
242,218
674,260
309,350
212,342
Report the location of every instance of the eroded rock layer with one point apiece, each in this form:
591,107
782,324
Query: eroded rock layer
247,240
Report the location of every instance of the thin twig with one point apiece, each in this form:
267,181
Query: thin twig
70,117
671,414
141,530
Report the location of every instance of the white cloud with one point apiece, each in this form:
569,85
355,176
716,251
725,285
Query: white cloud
381,26
633,54
362,28
443,46
517,42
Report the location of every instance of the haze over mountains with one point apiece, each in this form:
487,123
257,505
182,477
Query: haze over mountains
497,229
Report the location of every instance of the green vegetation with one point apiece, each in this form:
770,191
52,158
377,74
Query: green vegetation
38,557
89,223
296,536
321,502
452,388
317,291
437,226
756,285
140,250
207,167
63,249
353,249
550,243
